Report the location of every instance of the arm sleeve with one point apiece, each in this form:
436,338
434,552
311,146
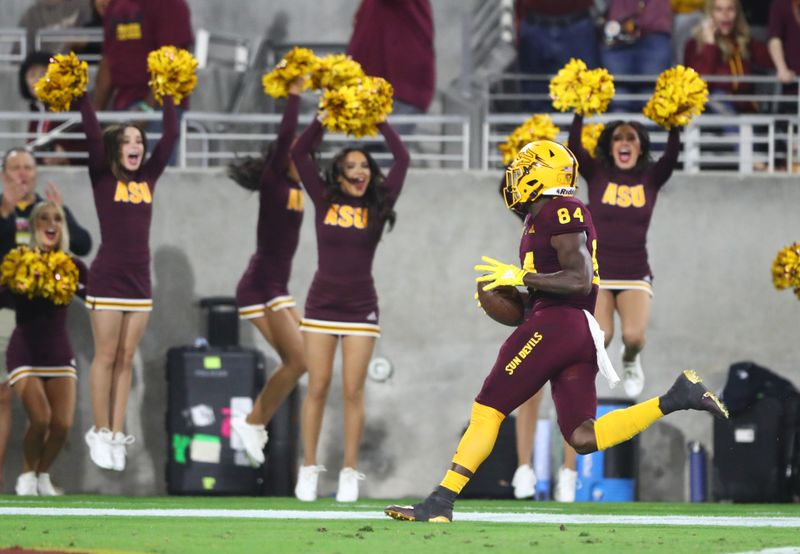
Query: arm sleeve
6,298
304,160
80,241
397,174
705,60
83,278
169,136
662,169
94,138
8,234
760,55
283,144
586,163
776,22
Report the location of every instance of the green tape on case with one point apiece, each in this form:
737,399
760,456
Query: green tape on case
206,438
212,362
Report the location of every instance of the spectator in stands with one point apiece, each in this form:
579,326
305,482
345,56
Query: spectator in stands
550,32
54,14
132,29
722,45
16,204
784,40
687,14
41,361
636,42
394,40
784,49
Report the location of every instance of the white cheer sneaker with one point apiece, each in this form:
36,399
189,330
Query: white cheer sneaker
524,482
566,484
633,377
27,484
45,486
99,443
307,479
119,450
253,437
348,484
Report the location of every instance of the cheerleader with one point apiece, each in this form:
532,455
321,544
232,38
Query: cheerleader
262,294
40,357
352,205
119,294
623,185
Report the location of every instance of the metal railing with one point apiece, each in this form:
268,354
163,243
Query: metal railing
742,143
487,38
50,39
13,44
213,139
222,48
522,92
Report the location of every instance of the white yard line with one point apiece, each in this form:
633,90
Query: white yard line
488,517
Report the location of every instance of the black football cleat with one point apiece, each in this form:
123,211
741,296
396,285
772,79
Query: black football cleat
433,509
689,393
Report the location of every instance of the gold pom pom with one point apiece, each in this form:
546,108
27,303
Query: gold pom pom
680,95
336,71
590,135
298,62
62,277
36,274
172,73
23,271
66,79
356,109
786,269
575,87
538,127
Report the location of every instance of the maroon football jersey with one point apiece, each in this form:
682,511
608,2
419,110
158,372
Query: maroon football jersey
131,30
622,203
280,206
559,216
125,208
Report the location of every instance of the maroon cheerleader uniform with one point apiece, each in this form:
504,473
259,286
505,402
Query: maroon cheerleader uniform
39,345
622,203
120,273
264,284
342,298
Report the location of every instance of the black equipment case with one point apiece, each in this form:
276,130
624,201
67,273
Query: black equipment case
206,388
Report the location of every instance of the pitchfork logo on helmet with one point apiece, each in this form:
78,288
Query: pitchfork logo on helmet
542,168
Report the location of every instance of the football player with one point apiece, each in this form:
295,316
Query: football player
560,341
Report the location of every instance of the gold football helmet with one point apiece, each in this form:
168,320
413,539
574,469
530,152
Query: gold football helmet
541,168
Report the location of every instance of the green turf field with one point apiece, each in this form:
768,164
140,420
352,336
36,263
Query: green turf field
270,525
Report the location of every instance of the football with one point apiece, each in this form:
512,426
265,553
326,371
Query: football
502,304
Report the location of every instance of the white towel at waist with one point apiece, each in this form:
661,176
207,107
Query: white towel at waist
603,361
